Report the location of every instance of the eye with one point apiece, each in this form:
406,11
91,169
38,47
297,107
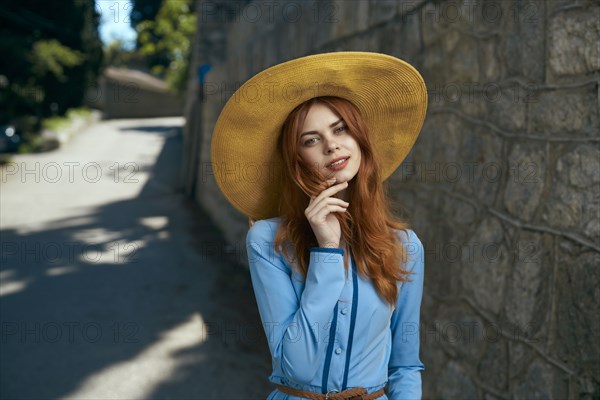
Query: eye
309,141
341,128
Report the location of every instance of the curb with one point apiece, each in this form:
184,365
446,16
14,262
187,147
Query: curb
52,140
63,136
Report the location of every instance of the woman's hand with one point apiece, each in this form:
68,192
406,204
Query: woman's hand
319,213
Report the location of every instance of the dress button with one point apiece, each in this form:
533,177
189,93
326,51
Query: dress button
338,350
344,311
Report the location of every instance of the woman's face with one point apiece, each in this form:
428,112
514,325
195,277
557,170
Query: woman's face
324,139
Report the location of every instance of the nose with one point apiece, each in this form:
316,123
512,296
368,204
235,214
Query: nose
331,146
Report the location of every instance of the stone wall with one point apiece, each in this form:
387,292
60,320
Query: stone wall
125,93
502,186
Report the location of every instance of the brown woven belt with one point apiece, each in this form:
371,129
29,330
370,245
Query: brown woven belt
358,393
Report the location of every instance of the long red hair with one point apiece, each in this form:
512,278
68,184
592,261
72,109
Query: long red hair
368,223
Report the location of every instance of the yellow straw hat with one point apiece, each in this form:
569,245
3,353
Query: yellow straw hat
389,93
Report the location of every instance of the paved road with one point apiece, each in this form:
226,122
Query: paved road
113,284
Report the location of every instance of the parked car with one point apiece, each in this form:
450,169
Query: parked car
10,139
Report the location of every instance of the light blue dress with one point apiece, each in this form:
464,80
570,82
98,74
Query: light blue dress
333,331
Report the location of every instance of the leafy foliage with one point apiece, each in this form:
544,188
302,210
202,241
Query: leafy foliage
49,56
144,10
51,53
167,41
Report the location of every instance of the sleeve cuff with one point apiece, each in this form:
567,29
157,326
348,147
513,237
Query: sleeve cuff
328,250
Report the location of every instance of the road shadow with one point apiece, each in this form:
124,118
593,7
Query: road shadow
155,298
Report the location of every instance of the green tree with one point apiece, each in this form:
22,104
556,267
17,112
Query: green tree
49,56
51,53
144,10
167,41
116,55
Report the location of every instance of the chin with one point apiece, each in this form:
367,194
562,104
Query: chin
344,178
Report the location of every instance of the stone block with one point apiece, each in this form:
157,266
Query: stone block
446,244
565,112
326,17
560,5
506,105
409,7
574,42
526,304
442,17
360,43
402,201
457,329
447,150
270,54
466,97
454,383
436,161
485,262
402,40
381,11
295,40
490,17
519,357
520,26
481,165
420,152
573,200
434,357
493,366
383,39
347,20
564,208
488,396
578,307
433,66
421,216
460,214
491,66
536,384
525,180
408,42
461,62
580,168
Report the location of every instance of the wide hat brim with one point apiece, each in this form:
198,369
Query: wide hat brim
389,93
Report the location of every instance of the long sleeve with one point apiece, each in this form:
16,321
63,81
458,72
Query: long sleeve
297,330
405,366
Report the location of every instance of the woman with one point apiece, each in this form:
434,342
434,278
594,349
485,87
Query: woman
329,263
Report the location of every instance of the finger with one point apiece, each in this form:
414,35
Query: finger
315,202
335,200
332,190
328,183
311,203
323,213
323,197
323,201
319,211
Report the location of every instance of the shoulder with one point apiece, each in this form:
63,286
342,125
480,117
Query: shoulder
263,231
409,238
413,246
260,241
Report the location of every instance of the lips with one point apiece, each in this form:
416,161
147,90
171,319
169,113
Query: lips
336,160
341,165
